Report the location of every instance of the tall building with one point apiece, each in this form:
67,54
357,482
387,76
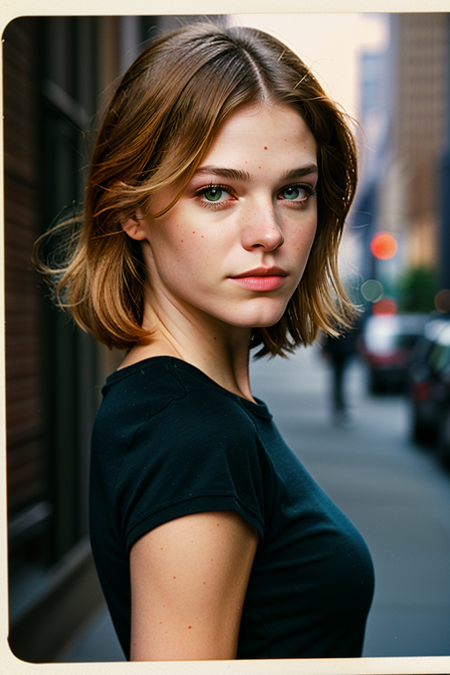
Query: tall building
372,147
405,106
419,66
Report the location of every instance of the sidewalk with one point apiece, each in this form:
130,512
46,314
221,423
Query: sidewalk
96,642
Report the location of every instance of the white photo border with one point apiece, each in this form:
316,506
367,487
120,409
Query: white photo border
9,663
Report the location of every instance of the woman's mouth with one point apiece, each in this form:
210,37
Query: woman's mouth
261,279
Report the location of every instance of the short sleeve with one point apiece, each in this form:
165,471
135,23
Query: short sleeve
200,453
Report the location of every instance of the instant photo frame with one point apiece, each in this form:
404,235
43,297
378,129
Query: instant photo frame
9,663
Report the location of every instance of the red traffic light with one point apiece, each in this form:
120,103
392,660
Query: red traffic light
384,246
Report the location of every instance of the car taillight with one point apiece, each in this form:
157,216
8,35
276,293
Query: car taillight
421,391
391,357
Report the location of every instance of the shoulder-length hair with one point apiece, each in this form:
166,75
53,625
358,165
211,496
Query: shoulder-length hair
156,131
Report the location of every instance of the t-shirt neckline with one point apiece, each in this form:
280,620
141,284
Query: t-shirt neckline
258,407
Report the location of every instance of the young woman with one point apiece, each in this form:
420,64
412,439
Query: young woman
216,198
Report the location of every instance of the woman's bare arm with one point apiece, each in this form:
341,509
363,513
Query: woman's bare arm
188,582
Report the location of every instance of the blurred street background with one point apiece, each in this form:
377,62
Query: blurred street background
368,414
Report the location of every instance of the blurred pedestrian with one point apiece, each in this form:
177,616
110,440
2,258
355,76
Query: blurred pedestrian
339,351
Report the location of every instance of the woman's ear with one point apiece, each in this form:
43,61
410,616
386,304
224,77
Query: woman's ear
135,227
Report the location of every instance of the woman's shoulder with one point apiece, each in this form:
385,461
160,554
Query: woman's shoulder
191,441
173,397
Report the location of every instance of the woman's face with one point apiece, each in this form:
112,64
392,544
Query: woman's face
235,246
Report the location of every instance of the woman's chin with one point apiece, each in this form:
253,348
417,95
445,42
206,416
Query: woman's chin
262,321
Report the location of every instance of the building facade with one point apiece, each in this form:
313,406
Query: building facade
58,72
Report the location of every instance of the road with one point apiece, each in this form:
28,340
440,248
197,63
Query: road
393,491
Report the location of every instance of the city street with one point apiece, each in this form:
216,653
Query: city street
393,491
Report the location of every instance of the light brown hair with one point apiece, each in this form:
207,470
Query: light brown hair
157,129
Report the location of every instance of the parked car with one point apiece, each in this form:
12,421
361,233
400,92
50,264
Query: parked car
443,435
387,346
429,387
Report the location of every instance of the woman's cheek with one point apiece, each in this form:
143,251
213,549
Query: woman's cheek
186,250
305,236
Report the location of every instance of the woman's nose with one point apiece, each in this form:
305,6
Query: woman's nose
262,230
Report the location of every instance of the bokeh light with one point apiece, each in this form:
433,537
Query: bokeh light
442,300
372,290
386,306
384,246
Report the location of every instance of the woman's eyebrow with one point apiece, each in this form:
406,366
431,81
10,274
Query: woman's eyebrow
234,174
237,174
301,171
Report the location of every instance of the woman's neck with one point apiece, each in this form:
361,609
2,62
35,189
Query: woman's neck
218,350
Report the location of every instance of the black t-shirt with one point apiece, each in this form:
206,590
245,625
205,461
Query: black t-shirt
168,442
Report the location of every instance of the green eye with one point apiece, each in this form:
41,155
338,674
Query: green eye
292,192
213,194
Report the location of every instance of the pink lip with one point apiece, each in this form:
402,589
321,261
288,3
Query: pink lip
262,272
261,278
